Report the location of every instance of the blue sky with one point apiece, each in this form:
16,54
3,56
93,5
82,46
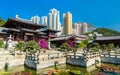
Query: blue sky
100,13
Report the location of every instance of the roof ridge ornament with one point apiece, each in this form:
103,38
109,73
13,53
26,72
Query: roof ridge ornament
17,16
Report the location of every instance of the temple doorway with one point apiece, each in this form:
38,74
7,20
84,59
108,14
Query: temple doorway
29,37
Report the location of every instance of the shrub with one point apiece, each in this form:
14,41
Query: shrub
64,46
53,46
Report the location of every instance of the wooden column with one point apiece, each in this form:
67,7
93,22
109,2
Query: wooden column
13,35
25,38
34,37
17,37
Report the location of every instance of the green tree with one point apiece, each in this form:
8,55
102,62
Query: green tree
1,44
20,46
2,22
32,46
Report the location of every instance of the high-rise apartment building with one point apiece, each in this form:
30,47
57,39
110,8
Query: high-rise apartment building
35,19
67,22
54,19
77,28
84,28
44,20
81,28
50,20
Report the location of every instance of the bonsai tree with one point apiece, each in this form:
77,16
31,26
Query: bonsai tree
104,47
94,46
20,46
1,44
110,46
64,46
31,46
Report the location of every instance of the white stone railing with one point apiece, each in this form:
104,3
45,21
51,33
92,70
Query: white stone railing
44,57
11,57
111,55
83,56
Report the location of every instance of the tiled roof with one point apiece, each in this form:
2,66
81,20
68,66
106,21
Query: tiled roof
108,38
3,33
24,29
50,30
25,21
60,38
13,22
42,33
13,29
65,37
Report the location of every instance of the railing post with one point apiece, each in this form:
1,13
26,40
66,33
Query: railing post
48,56
58,55
74,54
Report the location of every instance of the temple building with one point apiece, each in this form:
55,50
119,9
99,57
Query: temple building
50,33
24,30
71,38
108,40
21,30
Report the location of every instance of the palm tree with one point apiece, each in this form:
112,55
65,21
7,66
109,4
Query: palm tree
83,45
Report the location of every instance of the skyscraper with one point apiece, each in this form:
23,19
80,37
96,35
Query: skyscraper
77,28
67,22
50,20
54,19
82,27
35,19
44,20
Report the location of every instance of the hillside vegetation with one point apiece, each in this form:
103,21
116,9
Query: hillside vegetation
107,32
2,22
